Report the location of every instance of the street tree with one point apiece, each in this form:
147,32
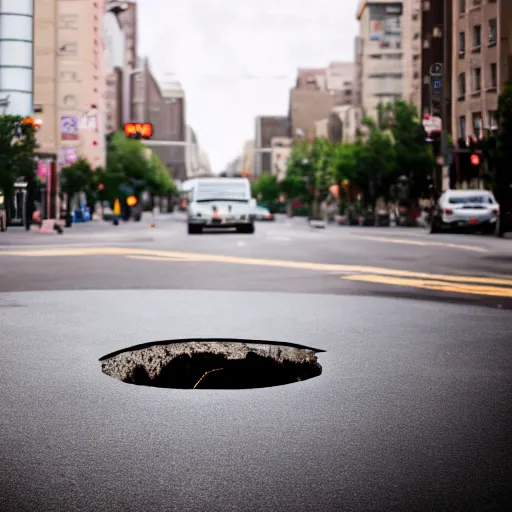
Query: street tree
374,163
343,161
159,179
17,146
265,187
413,157
74,179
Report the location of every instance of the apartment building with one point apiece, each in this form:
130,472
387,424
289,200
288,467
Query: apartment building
46,74
411,35
312,99
505,42
476,67
81,84
267,127
248,157
114,87
164,107
381,59
281,150
357,98
17,62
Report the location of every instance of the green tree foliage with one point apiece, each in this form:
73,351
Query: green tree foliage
17,146
76,178
128,164
413,157
266,187
159,179
383,151
375,167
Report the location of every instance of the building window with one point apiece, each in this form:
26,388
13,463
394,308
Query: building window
462,85
492,119
477,80
493,31
477,124
494,75
462,6
462,44
477,36
462,127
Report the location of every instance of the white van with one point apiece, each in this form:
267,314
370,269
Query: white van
221,203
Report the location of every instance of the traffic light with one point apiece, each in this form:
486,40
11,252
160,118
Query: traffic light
138,130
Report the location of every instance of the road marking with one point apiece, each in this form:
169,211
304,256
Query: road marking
405,241
443,286
239,260
161,258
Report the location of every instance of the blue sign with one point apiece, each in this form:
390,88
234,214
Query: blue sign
436,85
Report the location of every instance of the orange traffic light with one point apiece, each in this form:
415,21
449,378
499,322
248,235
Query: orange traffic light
131,201
474,159
143,130
36,123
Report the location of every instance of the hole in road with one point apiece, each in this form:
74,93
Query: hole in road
213,365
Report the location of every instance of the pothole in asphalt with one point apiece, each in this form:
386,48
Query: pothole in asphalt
213,364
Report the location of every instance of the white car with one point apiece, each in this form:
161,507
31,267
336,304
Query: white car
475,210
221,203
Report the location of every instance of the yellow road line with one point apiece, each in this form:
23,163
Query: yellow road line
433,285
240,260
160,258
405,241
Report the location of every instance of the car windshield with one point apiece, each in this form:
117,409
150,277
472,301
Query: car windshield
483,199
222,191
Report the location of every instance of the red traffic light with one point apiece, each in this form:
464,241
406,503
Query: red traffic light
474,159
143,130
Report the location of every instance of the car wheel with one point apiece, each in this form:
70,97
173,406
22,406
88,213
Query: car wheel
193,229
246,228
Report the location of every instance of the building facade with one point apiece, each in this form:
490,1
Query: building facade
248,157
114,86
476,67
267,127
411,35
380,30
81,82
46,73
358,72
281,152
17,57
437,48
505,42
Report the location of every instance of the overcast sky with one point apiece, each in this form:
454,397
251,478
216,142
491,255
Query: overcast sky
237,59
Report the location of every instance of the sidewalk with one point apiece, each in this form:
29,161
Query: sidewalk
17,235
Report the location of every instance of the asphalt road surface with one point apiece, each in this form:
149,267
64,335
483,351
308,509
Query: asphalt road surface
286,256
412,410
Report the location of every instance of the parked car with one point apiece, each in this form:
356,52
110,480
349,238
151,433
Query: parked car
468,210
261,213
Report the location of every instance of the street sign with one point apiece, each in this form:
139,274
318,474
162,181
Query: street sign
432,124
436,69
